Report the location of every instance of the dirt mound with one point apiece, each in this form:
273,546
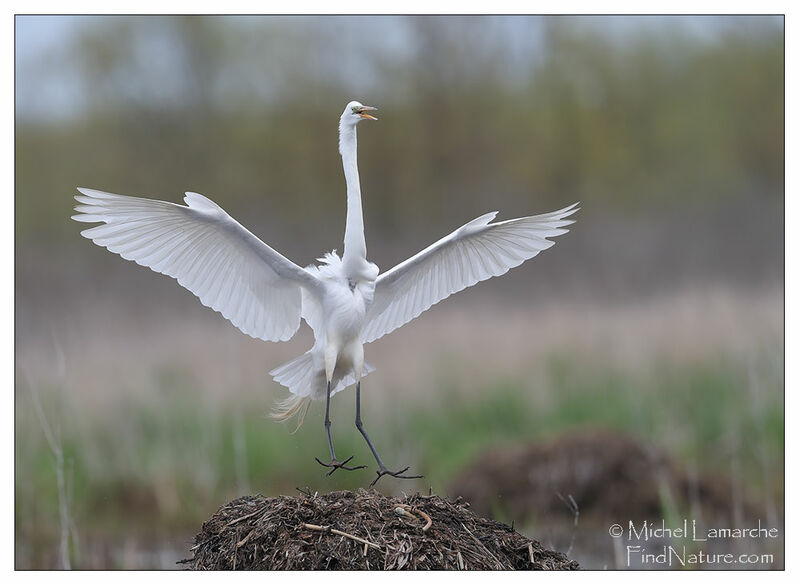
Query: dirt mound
610,476
362,531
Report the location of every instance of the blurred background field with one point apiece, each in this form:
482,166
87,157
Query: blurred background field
659,315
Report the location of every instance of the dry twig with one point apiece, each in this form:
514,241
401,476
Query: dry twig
411,510
328,529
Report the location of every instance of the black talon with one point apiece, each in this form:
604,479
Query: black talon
399,474
334,465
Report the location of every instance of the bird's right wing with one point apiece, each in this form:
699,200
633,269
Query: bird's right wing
475,252
208,252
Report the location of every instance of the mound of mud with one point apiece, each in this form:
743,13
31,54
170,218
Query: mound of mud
610,476
362,531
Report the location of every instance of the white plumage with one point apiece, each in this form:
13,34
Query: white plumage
473,253
208,252
346,301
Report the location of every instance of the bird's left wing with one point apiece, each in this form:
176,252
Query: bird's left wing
208,252
475,252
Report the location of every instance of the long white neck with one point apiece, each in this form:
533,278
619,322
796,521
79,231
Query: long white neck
355,247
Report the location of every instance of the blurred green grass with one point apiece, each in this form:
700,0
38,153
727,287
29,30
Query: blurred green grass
157,469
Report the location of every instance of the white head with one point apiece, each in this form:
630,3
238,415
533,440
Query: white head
355,112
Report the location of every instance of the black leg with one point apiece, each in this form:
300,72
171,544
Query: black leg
383,471
328,421
334,463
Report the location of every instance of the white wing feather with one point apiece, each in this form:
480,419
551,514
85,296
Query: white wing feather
208,252
475,252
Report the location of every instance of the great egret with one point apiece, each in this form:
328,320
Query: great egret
345,300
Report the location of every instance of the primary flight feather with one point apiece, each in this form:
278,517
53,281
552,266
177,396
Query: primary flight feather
345,300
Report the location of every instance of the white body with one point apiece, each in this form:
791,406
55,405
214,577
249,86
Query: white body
345,301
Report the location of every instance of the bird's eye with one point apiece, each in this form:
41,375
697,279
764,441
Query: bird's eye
355,109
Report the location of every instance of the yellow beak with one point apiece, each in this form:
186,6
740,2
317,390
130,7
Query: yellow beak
362,112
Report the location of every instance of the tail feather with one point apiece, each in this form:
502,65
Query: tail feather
298,375
306,383
291,406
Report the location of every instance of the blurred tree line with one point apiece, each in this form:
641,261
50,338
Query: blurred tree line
476,113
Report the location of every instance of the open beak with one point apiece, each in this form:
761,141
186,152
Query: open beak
363,112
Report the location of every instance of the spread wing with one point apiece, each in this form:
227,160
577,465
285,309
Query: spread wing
208,252
475,252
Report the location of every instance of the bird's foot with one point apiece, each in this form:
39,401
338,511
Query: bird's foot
335,464
399,474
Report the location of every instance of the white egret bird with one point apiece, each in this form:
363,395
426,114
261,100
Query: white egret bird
345,300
